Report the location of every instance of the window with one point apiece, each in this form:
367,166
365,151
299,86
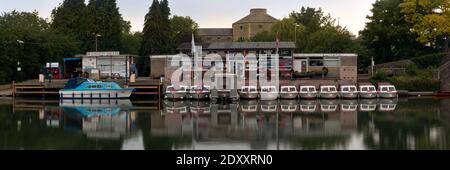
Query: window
260,26
241,27
316,61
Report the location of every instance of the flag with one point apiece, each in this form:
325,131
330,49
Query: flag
193,44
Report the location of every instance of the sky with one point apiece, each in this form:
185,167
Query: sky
217,13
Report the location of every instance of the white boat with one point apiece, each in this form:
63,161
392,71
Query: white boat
367,91
288,92
387,91
348,92
328,92
174,93
199,92
248,92
269,93
82,88
308,92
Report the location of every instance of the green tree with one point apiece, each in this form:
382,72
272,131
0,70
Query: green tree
39,44
388,36
431,21
103,18
182,29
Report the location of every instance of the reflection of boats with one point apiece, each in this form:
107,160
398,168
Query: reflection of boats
368,105
288,105
175,107
367,91
386,105
248,92
308,92
308,106
82,88
328,92
174,93
199,92
349,105
88,107
248,106
328,105
348,92
269,93
200,107
288,92
386,90
269,106
98,118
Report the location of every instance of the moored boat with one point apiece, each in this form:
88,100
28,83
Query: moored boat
269,93
248,92
367,91
328,92
308,92
176,93
288,92
348,92
82,88
387,90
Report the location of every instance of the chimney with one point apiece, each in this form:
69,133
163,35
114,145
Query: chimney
258,11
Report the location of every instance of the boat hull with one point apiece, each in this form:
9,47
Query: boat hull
388,95
269,96
368,95
95,94
243,95
199,96
175,96
349,95
288,95
308,95
328,95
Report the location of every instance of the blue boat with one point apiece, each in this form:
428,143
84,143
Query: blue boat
82,88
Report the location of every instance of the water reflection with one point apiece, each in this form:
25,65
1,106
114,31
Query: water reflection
284,124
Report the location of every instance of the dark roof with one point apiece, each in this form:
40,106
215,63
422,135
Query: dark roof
239,45
249,45
215,31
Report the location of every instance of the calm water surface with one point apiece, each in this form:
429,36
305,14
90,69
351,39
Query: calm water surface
414,123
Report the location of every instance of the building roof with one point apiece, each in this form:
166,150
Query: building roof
239,45
249,45
215,31
257,15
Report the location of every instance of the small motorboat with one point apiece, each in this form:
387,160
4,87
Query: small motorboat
308,92
328,92
248,92
386,90
199,92
176,93
348,92
224,94
367,91
269,93
288,92
82,88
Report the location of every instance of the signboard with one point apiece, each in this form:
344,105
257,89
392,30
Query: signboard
52,65
103,53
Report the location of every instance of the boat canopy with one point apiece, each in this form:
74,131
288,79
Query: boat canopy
74,83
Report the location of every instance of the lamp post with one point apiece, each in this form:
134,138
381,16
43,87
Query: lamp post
96,41
295,33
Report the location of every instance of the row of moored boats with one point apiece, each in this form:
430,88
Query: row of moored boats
363,90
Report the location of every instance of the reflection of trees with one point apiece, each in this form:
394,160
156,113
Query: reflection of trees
408,127
320,142
34,134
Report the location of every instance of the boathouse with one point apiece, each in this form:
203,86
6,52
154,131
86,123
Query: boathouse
107,65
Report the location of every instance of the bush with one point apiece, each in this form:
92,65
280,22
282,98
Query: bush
421,81
426,61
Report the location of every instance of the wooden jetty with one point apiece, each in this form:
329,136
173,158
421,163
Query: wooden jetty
144,87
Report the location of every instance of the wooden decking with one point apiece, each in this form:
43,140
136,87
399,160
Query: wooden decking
144,87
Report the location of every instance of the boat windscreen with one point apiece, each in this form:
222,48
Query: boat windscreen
74,83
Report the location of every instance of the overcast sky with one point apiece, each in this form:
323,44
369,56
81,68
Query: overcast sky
217,13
